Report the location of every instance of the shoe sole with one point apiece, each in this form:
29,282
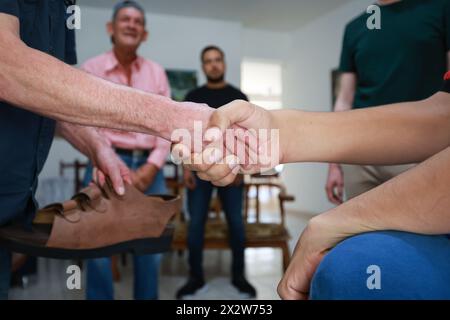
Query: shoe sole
137,246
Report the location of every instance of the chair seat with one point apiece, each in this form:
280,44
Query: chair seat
217,231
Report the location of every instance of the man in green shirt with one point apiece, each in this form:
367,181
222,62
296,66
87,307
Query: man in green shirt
402,61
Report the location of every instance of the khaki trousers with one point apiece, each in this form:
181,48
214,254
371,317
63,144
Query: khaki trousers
360,179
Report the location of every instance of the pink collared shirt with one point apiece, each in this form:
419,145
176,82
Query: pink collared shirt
146,75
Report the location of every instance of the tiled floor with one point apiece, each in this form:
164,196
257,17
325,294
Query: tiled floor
263,270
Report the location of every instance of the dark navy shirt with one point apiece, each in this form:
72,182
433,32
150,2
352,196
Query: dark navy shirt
25,137
446,87
215,98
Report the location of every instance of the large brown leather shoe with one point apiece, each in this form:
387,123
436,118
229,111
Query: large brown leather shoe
97,223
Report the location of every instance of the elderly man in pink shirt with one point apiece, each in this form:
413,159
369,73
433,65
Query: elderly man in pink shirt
144,154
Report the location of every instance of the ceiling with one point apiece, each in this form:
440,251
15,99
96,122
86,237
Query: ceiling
274,15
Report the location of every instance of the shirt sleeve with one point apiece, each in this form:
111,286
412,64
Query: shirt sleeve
71,50
446,87
87,67
447,24
347,62
159,155
188,97
244,97
10,7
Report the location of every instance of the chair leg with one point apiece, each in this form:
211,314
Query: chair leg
123,259
286,255
115,268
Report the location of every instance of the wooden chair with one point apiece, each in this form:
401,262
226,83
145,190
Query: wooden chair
78,168
258,233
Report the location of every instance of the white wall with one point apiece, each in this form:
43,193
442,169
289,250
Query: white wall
266,45
316,50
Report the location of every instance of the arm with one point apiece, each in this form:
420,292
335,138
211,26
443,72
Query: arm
395,134
344,102
416,201
144,176
42,84
92,144
346,95
448,60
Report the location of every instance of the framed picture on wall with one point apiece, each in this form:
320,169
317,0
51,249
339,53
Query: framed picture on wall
335,85
181,82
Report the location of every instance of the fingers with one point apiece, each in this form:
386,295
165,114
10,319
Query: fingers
330,194
207,162
329,191
335,192
203,162
181,153
94,175
117,174
125,172
340,193
287,292
296,281
223,173
225,117
116,181
99,177
229,179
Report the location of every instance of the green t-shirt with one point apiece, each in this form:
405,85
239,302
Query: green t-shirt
405,59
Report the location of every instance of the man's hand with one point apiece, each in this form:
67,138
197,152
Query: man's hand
144,176
189,179
335,184
108,164
242,138
238,181
316,240
97,148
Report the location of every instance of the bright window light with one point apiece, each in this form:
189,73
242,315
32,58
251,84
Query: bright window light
262,82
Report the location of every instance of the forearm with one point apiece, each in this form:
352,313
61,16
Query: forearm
44,85
395,134
417,201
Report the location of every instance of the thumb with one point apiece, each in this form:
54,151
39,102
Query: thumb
226,116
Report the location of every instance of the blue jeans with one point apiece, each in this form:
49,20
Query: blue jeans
407,266
199,199
99,284
5,273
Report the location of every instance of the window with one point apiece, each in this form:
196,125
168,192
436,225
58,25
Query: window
262,82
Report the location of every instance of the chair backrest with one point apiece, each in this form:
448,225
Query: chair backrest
78,171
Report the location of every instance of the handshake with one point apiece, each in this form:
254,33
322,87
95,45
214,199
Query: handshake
240,138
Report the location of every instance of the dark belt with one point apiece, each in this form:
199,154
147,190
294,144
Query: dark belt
133,153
